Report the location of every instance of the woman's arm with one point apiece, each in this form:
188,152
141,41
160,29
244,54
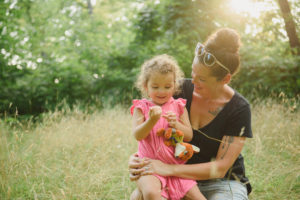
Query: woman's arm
183,125
228,152
142,128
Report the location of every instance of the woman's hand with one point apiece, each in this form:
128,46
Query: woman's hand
137,167
158,167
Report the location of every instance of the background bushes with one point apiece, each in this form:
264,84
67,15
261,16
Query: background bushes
66,51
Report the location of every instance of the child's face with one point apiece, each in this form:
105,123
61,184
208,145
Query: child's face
160,87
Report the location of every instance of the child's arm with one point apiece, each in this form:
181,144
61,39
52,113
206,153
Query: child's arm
183,125
142,128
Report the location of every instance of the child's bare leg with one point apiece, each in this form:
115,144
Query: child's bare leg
136,195
150,187
194,194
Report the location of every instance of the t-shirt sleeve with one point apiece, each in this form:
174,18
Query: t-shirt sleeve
186,92
137,103
239,123
181,105
183,90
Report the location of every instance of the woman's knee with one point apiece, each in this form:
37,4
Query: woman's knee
227,189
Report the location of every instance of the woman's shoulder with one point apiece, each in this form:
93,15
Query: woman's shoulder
186,89
237,115
238,100
237,106
186,82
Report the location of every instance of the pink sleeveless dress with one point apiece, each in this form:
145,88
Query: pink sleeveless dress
153,147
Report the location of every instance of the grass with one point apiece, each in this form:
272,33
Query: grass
273,155
76,155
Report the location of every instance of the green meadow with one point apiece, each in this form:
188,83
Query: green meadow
72,154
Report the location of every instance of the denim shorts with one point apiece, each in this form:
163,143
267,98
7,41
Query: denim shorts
223,189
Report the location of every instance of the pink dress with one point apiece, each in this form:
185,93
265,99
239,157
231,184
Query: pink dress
153,147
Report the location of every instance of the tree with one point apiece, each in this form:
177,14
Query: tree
290,26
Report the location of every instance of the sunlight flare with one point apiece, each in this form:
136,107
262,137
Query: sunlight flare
253,8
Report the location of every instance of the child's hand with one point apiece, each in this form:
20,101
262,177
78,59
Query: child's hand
155,113
171,118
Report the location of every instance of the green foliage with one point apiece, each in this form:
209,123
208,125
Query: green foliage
274,72
172,27
66,57
60,51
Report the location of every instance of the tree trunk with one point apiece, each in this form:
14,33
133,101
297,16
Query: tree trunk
90,7
290,26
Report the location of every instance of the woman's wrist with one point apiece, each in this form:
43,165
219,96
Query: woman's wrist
171,170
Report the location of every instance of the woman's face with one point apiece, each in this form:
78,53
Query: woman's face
204,84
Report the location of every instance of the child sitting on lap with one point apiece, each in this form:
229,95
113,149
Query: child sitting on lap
159,80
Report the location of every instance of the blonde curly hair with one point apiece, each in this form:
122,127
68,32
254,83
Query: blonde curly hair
163,64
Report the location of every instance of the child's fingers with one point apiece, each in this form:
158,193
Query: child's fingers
165,116
155,110
170,113
152,110
172,124
172,118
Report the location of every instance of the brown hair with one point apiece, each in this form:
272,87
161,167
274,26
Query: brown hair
163,64
224,45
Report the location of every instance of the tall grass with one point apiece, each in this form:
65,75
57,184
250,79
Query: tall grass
68,156
273,155
75,155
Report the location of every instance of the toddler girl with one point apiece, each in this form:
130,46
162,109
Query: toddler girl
159,80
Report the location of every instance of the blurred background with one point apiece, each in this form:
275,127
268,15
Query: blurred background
88,52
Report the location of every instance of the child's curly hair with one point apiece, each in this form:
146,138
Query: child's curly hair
163,64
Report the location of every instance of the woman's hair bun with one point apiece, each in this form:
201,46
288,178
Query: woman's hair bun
227,39
224,44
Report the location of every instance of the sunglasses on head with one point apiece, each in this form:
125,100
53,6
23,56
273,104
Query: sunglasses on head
207,58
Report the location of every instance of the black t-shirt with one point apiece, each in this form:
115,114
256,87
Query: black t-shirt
233,120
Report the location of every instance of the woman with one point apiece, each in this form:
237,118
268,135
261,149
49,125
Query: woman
221,121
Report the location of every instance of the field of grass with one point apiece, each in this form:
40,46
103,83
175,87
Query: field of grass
75,155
